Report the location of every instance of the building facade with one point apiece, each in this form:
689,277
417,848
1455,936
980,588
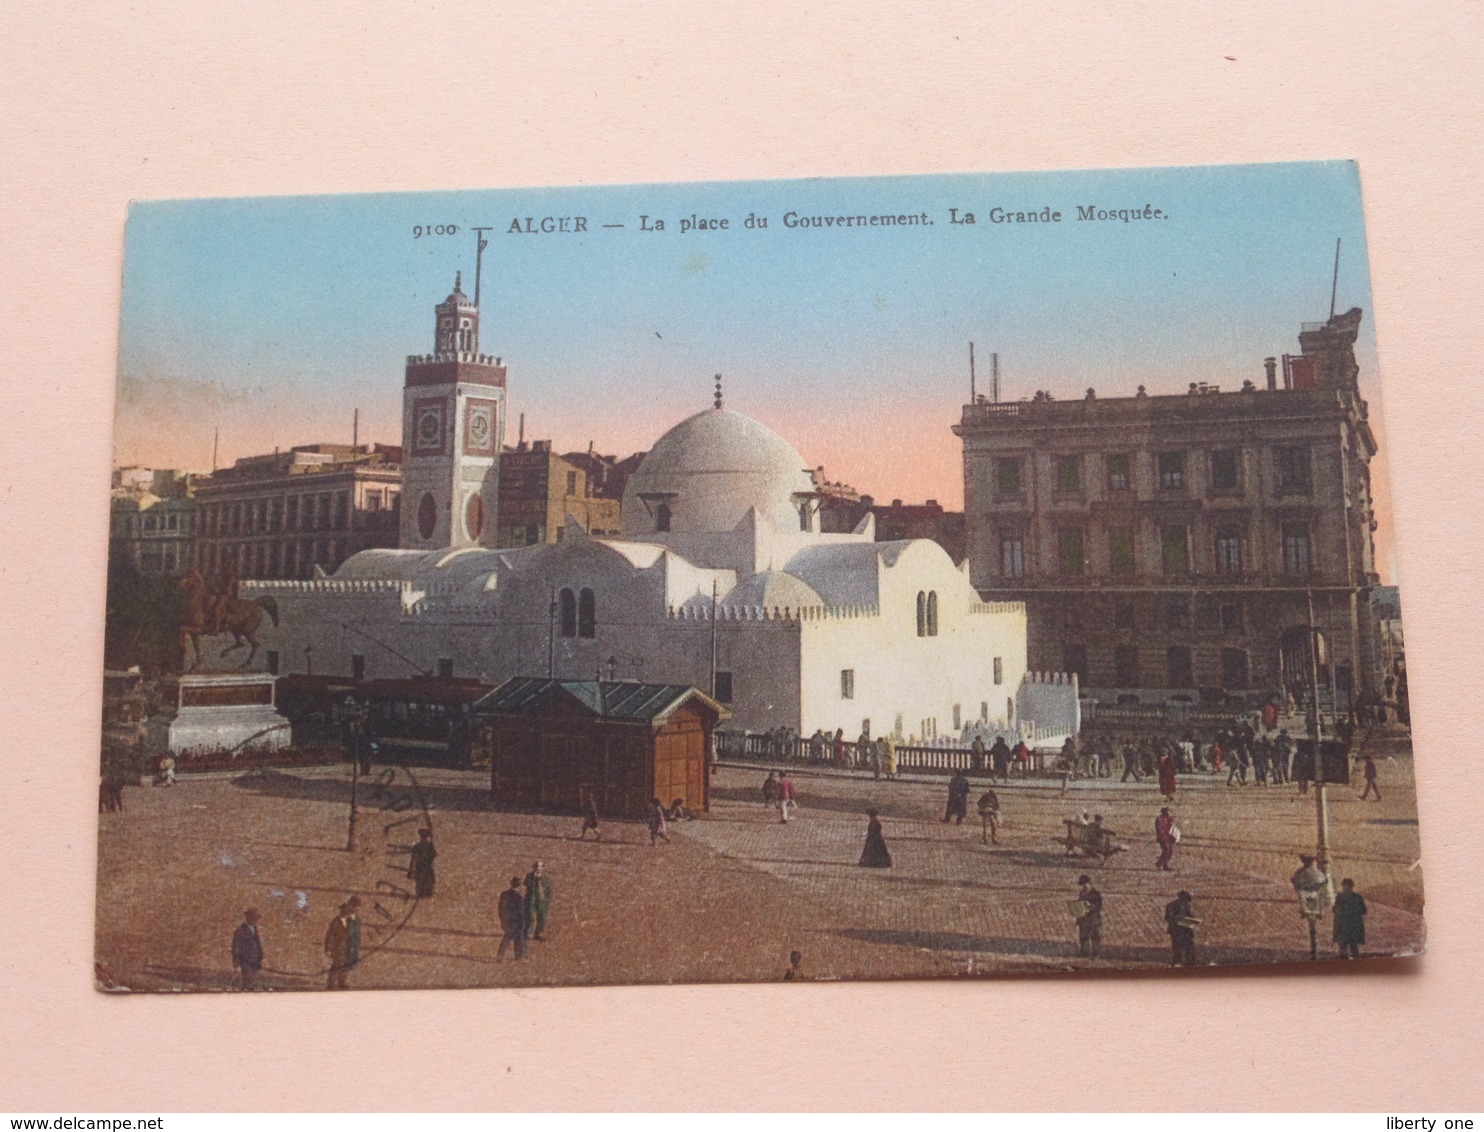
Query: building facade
1165,545
290,514
152,518
540,491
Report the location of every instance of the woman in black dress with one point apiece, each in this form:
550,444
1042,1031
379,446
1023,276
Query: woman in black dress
875,855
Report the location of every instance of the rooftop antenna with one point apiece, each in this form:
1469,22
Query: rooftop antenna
994,378
717,403
520,436
355,433
215,439
480,244
972,398
1335,286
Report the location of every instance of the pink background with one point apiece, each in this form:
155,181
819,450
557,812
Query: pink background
196,99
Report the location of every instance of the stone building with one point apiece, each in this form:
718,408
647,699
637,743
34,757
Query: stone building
1168,544
286,514
152,515
540,491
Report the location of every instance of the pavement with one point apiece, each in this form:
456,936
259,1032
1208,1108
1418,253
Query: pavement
733,892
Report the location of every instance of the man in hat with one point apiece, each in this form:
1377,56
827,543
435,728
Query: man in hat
420,867
512,921
1090,921
343,944
538,901
1349,914
247,950
1180,923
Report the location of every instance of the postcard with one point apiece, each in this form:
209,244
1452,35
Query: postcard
868,578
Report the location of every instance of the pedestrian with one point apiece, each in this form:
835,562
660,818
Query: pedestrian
1180,922
1088,908
890,755
1370,779
770,790
875,855
1167,834
538,901
1218,752
989,817
958,798
420,867
1130,763
999,757
792,972
1349,913
343,944
167,770
976,754
1069,757
786,798
1167,777
512,910
590,818
1236,774
1022,756
839,747
247,951
657,831
875,749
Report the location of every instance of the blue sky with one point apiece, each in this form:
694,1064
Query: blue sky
273,318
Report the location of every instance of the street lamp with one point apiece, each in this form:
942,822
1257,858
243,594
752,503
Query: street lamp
1311,884
354,715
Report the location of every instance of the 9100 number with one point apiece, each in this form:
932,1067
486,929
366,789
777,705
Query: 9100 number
421,230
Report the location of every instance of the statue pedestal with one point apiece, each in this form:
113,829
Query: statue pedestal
221,712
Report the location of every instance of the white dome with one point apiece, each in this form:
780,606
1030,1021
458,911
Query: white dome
709,471
772,589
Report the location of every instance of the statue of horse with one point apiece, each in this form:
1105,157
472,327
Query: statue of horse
205,615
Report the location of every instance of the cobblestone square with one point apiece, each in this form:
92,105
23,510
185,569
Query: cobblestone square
734,891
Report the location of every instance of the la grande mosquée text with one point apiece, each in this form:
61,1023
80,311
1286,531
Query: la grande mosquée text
794,220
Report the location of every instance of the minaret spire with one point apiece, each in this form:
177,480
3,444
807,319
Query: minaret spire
717,403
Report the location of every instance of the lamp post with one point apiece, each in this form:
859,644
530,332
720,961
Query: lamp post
354,714
1321,807
1311,884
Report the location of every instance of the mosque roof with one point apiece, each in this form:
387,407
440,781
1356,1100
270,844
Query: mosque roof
710,469
773,589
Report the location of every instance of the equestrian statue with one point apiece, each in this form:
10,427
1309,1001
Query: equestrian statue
208,614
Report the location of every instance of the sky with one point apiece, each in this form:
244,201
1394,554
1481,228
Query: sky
272,319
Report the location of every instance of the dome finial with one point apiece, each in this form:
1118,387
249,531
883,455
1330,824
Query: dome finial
717,403
458,280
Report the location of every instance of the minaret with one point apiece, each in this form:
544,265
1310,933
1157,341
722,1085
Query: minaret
453,427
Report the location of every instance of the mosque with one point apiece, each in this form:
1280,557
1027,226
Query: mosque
721,580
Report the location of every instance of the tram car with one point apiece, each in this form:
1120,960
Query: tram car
420,720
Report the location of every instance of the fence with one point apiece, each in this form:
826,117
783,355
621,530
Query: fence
734,746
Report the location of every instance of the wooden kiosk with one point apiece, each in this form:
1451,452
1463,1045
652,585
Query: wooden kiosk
551,743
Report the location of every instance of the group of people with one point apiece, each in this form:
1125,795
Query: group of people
524,909
1180,922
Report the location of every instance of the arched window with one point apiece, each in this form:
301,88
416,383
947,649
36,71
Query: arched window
662,517
932,613
568,613
921,614
587,614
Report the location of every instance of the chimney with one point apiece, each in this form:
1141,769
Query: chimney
1271,365
520,436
